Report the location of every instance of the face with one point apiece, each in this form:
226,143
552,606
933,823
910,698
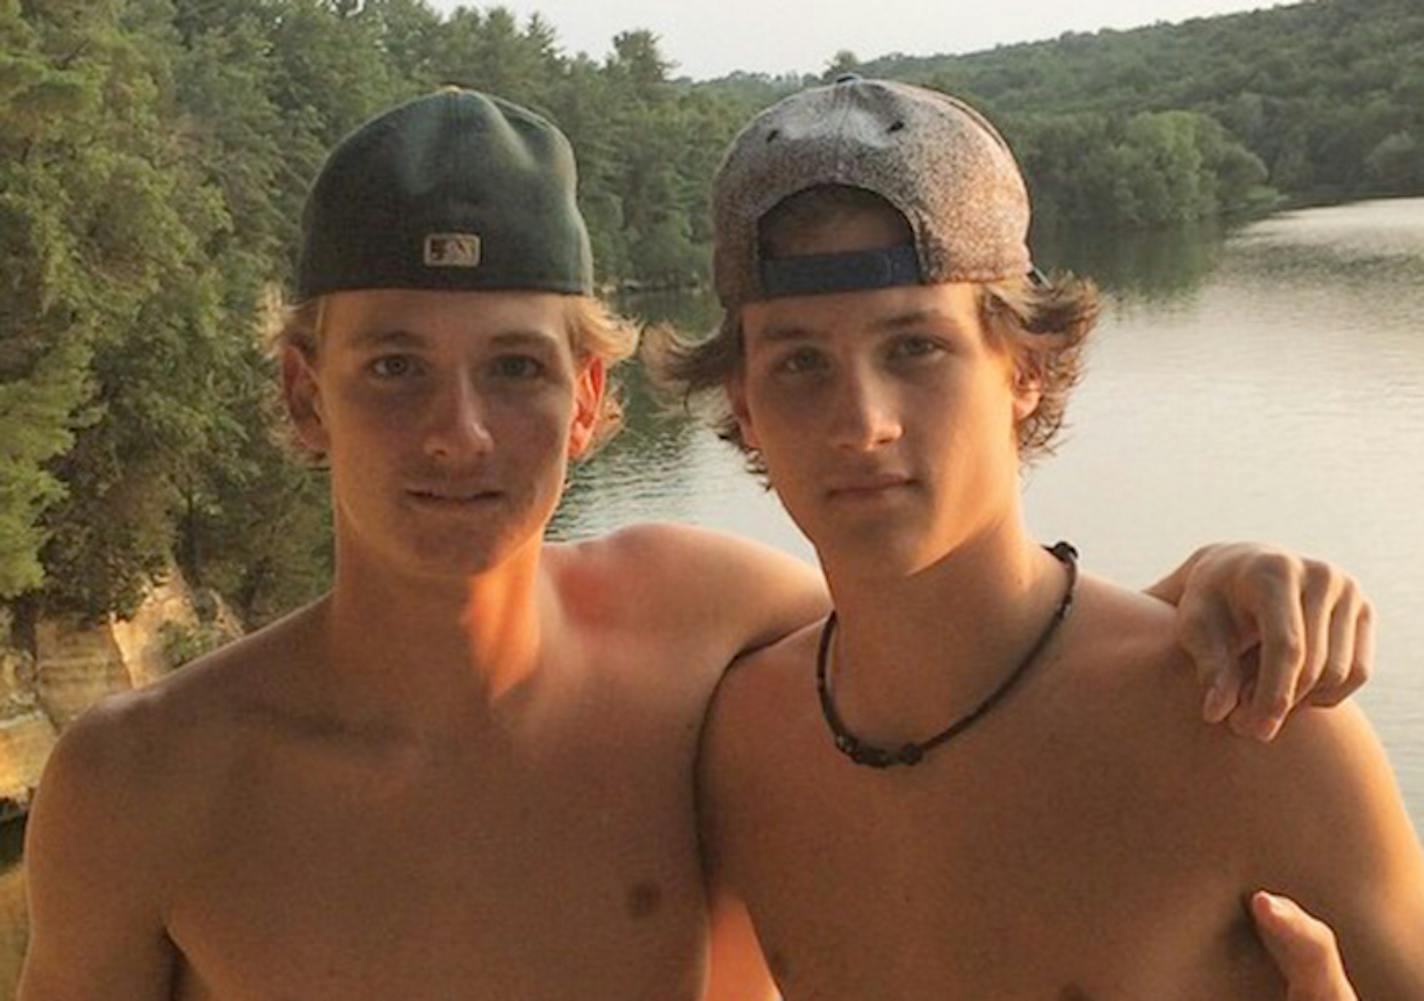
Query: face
885,419
448,419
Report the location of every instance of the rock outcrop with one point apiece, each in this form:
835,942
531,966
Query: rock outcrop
75,665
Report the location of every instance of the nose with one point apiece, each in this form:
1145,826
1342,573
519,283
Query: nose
456,429
864,415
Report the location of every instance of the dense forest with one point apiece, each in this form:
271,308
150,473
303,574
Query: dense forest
154,155
1312,103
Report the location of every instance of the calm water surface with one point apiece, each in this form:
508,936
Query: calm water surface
1267,385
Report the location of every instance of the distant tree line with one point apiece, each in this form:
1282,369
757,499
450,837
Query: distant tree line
154,155
1312,103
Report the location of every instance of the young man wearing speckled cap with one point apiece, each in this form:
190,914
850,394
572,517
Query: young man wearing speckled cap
984,774
467,771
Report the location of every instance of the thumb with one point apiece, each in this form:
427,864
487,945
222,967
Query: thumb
1222,676
1304,949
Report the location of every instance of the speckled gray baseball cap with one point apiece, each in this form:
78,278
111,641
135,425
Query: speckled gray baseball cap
937,160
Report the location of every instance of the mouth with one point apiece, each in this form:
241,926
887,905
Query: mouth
453,499
869,488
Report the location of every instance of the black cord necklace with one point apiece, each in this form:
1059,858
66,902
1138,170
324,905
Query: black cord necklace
872,756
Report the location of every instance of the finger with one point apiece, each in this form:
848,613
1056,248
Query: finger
1303,947
1282,626
1206,631
1242,723
1332,685
1363,664
1322,590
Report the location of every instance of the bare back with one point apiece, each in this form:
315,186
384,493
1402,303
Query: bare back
1089,840
270,847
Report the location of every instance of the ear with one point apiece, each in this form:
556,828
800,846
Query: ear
302,395
1027,385
736,388
589,387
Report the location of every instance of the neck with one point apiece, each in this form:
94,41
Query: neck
438,649
913,654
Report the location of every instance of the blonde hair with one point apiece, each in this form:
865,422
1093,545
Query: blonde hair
595,331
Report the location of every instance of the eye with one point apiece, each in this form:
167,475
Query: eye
516,367
801,361
393,367
914,346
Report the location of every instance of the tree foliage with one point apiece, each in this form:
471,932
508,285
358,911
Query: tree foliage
154,156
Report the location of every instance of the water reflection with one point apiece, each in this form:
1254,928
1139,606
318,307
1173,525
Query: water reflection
1158,266
1266,383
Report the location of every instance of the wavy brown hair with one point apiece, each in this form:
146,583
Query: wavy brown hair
1042,325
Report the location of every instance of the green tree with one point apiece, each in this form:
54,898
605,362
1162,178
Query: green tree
1396,164
44,345
841,63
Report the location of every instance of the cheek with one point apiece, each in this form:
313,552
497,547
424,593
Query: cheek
532,423
779,411
357,418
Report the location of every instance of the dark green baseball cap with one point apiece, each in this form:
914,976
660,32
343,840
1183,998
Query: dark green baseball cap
452,191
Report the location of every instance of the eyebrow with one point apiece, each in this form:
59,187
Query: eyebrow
533,338
786,332
914,318
381,337
400,337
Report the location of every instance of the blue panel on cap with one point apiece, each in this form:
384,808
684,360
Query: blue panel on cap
849,272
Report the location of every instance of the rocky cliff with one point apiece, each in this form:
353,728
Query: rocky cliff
73,666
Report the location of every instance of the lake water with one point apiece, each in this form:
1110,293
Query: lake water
1266,385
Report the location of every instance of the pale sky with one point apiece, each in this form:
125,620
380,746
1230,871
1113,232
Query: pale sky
709,38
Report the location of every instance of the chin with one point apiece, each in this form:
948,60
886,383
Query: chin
456,551
893,554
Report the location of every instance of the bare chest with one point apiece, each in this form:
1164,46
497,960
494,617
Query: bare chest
1012,880
565,870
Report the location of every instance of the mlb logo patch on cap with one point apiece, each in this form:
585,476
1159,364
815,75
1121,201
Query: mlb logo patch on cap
452,250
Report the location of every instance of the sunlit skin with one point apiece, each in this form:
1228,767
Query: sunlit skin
902,432
448,444
886,421
449,420
1089,838
467,772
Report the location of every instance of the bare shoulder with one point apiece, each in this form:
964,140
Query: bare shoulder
732,592
131,796
689,552
1120,657
1316,813
1124,665
1121,702
152,741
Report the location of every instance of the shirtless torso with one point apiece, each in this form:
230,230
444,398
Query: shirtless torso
265,838
1089,840
467,774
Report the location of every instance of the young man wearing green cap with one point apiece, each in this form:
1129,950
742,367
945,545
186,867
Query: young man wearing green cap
467,772
983,775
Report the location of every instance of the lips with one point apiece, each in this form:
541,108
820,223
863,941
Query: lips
867,486
453,497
